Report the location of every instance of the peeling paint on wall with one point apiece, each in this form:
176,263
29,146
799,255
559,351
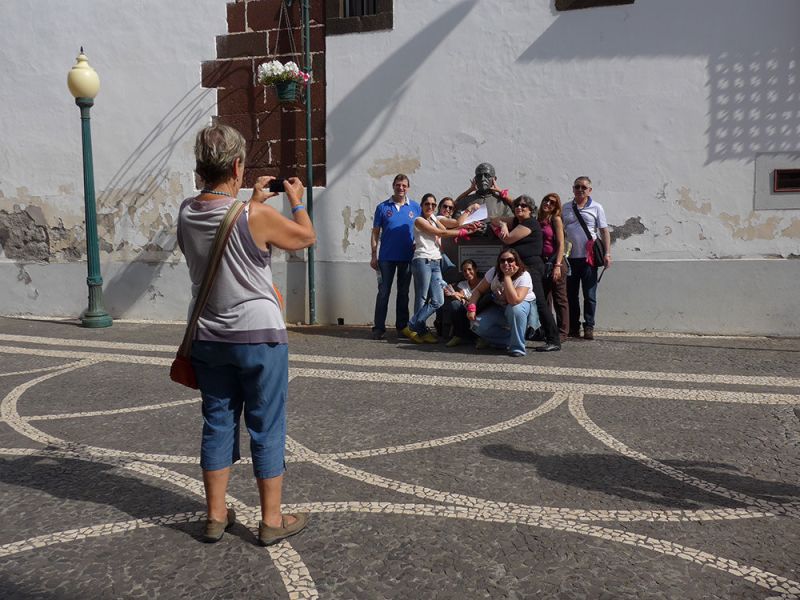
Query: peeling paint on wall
360,221
136,222
358,224
21,237
392,166
793,230
633,226
751,228
346,239
688,203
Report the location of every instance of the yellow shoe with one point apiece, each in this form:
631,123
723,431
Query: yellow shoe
412,335
454,341
429,338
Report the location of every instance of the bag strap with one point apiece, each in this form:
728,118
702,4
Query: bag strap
220,241
582,222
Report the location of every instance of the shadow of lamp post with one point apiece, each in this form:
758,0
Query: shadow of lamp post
84,84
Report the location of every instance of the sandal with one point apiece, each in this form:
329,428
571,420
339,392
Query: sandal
271,535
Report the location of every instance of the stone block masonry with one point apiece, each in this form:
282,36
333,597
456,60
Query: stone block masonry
275,132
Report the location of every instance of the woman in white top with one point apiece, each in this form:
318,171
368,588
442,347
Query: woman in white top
503,324
457,305
427,270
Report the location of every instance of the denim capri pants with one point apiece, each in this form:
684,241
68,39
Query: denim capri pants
253,377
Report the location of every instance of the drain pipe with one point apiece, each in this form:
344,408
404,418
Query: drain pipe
312,288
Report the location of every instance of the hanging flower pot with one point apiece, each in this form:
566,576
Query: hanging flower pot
286,79
287,91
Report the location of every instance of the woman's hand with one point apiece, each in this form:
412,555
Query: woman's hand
294,190
472,227
261,189
557,272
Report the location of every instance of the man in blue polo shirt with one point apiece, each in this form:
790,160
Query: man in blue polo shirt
393,229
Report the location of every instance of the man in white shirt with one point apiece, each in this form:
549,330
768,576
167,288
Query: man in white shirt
583,275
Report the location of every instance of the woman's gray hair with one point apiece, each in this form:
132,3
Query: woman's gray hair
215,150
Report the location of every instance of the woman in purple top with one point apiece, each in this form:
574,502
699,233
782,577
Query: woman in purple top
553,255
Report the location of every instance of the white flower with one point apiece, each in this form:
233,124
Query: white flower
273,72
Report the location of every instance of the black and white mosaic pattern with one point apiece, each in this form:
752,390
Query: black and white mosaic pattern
428,474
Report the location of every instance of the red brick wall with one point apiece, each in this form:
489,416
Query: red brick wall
275,133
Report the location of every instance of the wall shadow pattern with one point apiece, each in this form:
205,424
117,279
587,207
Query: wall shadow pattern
384,88
753,82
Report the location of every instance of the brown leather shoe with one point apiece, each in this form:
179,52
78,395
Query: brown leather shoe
216,529
271,535
588,333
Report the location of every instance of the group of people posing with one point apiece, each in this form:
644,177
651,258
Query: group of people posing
540,269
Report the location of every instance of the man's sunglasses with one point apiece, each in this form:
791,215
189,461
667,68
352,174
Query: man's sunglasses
579,187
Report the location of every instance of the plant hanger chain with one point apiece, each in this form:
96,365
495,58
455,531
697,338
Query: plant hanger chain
284,16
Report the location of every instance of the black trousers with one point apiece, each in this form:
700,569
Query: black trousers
536,268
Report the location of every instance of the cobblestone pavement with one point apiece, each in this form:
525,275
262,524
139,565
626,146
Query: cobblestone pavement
629,467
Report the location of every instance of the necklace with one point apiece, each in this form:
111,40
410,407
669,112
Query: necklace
216,193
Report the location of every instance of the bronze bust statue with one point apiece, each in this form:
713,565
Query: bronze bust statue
485,194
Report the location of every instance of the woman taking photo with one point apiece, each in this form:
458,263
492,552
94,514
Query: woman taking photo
554,281
525,236
503,323
240,353
457,306
427,270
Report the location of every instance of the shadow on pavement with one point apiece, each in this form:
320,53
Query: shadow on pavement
97,483
626,478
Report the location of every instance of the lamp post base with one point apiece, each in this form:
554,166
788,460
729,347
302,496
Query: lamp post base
96,320
95,315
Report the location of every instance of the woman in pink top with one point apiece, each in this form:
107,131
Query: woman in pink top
553,251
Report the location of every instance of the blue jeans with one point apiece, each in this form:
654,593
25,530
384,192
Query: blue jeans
583,276
253,377
428,291
387,270
504,326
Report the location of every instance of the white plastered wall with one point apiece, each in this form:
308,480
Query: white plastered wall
663,104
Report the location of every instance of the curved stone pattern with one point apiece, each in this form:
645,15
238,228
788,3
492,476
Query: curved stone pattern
508,420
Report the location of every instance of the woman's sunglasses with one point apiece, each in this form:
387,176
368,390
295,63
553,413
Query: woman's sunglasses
428,204
508,260
447,207
521,205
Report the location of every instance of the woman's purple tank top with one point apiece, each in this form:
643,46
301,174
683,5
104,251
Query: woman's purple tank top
548,241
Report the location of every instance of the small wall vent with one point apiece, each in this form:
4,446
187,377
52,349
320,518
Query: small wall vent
786,180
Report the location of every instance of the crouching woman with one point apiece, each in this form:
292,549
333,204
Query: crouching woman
503,323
